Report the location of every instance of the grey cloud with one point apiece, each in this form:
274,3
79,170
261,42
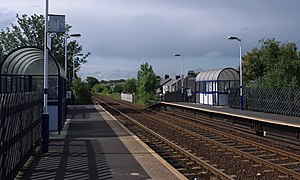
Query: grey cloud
112,75
126,31
214,54
6,17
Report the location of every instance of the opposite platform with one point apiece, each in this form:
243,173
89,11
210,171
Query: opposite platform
290,121
96,146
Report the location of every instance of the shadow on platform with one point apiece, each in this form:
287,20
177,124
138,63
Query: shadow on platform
79,155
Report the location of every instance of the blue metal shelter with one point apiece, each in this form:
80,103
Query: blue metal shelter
212,87
22,71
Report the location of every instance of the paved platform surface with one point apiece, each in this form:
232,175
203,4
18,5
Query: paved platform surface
259,116
94,145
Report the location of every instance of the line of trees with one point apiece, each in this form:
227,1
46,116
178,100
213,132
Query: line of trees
143,86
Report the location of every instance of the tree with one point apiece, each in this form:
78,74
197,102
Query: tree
29,31
253,66
81,92
147,83
118,88
91,81
130,86
272,65
100,88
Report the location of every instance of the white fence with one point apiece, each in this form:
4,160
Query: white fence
127,97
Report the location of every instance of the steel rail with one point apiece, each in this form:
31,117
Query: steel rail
238,151
207,166
244,141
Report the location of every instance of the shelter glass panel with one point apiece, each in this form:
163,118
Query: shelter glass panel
3,83
234,84
53,88
27,84
214,86
37,83
14,84
202,86
209,87
197,86
22,83
224,86
9,84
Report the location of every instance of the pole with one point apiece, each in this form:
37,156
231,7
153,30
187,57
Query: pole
45,123
66,56
73,79
182,78
181,74
241,77
46,61
241,69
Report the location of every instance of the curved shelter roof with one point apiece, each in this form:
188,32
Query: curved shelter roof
228,74
29,60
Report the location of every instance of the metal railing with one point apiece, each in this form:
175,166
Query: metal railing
20,129
276,100
177,97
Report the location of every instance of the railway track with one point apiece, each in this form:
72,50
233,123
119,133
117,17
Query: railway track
273,139
183,160
232,156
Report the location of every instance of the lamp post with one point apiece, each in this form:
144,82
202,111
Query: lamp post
241,69
66,53
181,74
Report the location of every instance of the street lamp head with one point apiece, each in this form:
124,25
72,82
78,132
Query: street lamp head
75,35
234,38
177,55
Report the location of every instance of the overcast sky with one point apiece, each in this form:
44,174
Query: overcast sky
123,34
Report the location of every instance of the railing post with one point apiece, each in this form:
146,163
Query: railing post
45,132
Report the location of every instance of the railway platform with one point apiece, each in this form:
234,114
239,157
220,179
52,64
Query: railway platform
94,145
270,118
262,124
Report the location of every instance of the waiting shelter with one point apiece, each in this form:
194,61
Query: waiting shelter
22,70
213,86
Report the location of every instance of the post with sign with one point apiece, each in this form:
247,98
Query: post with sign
45,123
53,23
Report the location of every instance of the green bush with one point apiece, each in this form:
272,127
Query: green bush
99,88
118,88
81,92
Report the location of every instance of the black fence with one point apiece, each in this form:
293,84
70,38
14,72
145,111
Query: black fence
177,97
234,98
20,129
278,101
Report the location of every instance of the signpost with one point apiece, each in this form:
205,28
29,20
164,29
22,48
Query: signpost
53,24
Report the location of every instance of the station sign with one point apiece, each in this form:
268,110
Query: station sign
56,23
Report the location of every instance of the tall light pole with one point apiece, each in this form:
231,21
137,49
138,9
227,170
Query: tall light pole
181,74
241,69
66,51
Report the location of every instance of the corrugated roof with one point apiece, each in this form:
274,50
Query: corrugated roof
218,74
29,60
